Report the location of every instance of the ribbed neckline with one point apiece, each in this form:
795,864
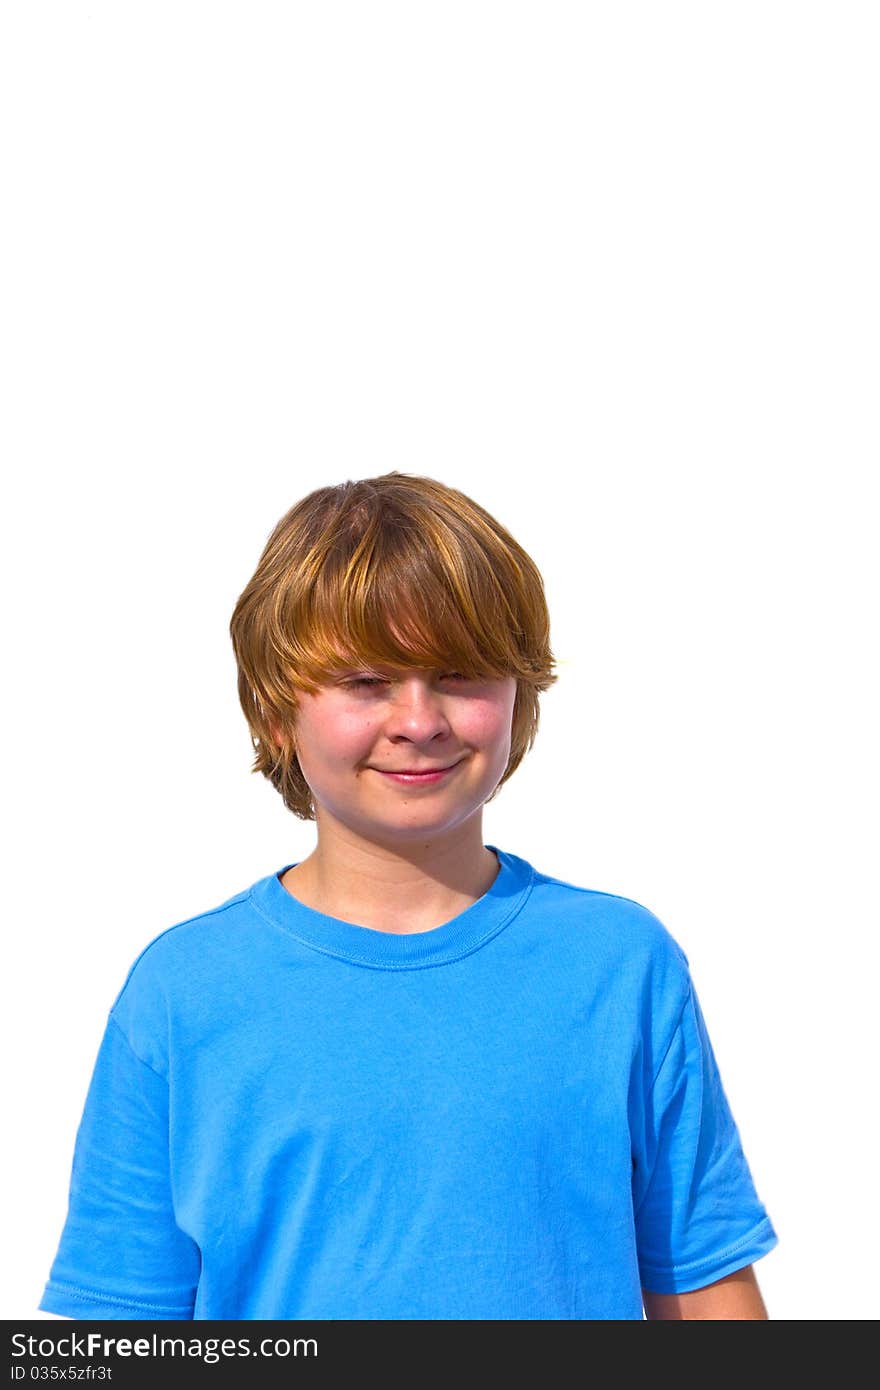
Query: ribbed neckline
388,950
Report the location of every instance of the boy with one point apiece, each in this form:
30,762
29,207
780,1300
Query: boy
409,1076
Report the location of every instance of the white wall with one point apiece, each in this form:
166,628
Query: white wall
609,268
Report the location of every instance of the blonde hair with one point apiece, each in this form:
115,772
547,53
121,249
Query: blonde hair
398,571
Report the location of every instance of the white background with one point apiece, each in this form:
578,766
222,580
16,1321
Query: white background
609,268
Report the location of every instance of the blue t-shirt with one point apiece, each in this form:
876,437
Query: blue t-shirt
517,1114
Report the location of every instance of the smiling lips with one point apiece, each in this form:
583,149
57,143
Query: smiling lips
415,771
432,774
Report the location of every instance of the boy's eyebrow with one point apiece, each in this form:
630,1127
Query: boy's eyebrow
380,669
365,668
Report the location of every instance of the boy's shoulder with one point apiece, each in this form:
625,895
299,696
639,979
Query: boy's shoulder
608,924
194,961
188,937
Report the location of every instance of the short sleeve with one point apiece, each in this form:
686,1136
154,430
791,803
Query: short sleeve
121,1253
698,1215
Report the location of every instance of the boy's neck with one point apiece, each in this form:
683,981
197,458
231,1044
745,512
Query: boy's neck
392,895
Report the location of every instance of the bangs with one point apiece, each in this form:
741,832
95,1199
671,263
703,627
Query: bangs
397,602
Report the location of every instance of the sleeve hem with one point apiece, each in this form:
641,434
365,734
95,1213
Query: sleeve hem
72,1302
696,1275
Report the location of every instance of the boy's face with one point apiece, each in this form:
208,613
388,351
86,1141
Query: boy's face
362,724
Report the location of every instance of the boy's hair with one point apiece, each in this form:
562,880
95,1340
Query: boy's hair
398,571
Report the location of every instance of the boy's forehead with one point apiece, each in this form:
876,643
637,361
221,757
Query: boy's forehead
416,647
351,659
